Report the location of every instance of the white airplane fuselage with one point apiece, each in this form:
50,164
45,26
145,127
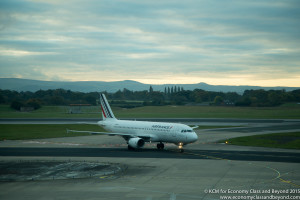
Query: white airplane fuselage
178,134
136,133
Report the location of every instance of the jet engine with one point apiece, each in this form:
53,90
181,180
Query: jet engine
136,142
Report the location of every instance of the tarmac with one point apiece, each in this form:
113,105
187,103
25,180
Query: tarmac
207,170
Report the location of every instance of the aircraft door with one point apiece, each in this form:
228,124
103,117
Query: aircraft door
174,132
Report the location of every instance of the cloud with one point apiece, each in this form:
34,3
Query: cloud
18,53
152,40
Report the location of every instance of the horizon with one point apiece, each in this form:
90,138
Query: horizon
237,43
147,83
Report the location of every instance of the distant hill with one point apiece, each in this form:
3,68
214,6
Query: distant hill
99,86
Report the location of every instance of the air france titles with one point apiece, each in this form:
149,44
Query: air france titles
162,127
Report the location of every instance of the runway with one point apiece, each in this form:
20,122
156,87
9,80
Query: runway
201,172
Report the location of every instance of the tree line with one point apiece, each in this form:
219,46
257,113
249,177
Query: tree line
170,96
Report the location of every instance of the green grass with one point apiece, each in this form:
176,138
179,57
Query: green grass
282,112
210,112
274,140
38,131
50,112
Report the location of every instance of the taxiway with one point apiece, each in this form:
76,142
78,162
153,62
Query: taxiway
205,169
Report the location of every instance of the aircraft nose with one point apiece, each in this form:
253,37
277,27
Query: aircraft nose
194,137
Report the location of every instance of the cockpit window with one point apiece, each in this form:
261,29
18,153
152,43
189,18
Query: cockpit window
184,131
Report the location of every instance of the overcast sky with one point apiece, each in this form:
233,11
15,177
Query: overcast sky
220,42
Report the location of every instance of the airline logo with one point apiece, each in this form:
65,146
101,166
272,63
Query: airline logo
162,127
106,111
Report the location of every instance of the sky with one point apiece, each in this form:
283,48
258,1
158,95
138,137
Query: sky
219,42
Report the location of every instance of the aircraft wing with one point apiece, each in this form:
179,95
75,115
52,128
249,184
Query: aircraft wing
95,133
125,135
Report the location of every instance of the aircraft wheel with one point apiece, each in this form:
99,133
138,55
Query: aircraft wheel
181,150
160,146
130,148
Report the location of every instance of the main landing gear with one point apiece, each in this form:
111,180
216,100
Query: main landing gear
130,148
160,146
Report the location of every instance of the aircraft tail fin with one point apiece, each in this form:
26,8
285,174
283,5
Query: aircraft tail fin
105,108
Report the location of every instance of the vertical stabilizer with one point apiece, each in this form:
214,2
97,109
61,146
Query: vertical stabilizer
105,108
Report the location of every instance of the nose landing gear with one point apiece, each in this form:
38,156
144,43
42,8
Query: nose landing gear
180,146
161,146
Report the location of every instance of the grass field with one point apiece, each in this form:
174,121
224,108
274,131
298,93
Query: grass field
275,140
282,112
38,131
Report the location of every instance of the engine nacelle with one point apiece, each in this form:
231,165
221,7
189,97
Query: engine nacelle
136,142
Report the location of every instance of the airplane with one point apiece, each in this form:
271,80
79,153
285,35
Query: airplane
136,133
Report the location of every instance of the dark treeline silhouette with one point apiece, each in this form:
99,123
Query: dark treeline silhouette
170,96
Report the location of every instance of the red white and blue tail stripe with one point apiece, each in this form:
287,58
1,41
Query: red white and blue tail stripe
105,108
